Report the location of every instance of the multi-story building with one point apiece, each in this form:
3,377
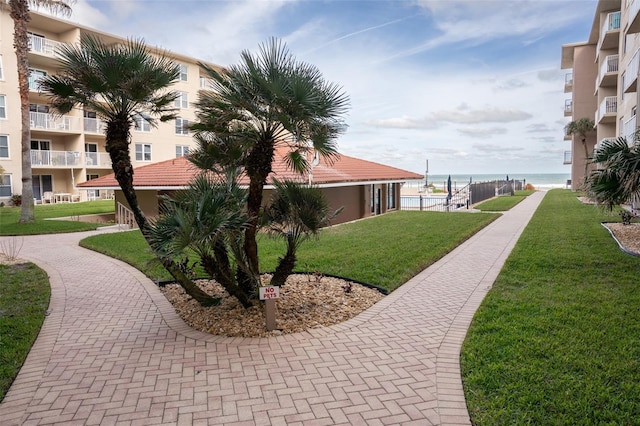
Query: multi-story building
70,149
603,83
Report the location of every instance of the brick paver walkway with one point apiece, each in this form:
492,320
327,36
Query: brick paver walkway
112,350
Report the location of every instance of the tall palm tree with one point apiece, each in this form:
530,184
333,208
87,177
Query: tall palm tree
120,82
581,128
19,12
270,100
617,181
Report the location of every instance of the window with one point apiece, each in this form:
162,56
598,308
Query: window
4,146
143,152
5,186
183,72
40,152
182,126
141,123
182,100
1,74
391,196
93,194
3,107
182,150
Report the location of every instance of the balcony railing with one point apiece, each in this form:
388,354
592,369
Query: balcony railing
629,129
630,80
633,7
568,107
609,67
56,158
43,45
567,157
46,158
94,125
568,82
46,121
97,160
33,82
608,106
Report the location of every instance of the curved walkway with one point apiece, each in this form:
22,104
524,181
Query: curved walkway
113,351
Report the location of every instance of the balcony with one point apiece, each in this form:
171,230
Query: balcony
97,160
77,159
629,129
567,157
630,77
568,83
43,46
633,6
568,108
46,121
94,125
61,159
608,75
608,110
610,32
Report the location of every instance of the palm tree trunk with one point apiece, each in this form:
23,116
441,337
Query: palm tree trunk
20,15
586,158
285,265
117,145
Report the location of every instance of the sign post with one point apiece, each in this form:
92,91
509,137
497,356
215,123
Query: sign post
269,294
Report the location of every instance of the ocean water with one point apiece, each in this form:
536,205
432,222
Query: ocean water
538,180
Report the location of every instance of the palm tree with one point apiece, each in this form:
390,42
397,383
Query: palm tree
120,82
617,181
267,101
581,127
19,12
296,213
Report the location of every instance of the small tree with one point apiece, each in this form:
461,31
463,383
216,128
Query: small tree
617,180
269,101
581,128
121,83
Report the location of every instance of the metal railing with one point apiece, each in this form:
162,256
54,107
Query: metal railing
568,106
609,65
609,105
437,203
56,158
94,125
97,159
125,217
629,129
43,45
568,82
43,120
631,73
611,23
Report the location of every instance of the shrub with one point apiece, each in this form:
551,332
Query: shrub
16,200
529,187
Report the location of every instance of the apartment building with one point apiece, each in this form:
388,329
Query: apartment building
70,149
603,81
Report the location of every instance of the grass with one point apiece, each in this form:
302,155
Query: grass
10,216
501,204
385,250
557,339
24,297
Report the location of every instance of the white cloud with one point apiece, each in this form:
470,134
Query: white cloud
482,132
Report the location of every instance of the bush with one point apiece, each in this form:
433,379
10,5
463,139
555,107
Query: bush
529,187
16,200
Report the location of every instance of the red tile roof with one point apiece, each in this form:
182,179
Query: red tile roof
178,172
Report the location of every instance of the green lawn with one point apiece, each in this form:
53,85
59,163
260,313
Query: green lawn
557,339
385,250
24,298
9,217
500,204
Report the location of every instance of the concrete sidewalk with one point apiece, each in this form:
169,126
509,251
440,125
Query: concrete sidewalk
113,351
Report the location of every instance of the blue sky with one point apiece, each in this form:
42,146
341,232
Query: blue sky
474,86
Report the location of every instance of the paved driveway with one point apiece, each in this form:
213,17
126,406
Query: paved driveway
113,351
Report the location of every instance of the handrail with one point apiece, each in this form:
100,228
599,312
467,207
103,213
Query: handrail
125,216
